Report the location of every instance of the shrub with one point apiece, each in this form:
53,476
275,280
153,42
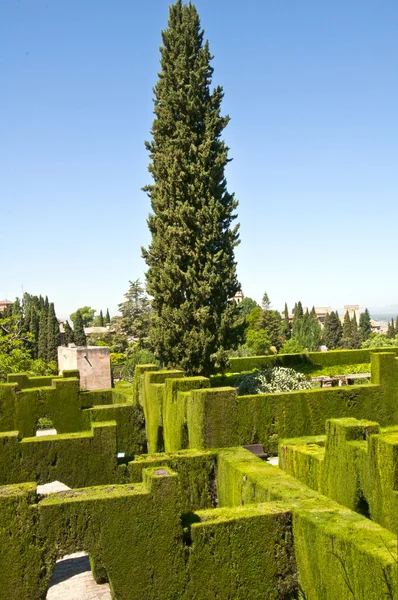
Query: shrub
135,356
292,346
267,381
281,379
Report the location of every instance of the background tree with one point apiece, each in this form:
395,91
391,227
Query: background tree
265,302
287,326
78,331
136,310
86,313
271,322
53,337
43,335
346,340
354,333
332,331
107,317
246,306
298,314
307,331
69,337
365,328
191,265
391,329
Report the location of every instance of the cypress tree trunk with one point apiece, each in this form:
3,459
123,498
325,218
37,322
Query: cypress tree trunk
191,265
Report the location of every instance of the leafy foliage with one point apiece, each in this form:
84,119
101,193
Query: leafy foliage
246,306
86,313
267,381
136,310
136,356
281,379
292,346
379,340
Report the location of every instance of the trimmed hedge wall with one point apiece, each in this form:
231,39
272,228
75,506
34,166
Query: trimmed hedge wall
189,414
316,359
356,466
77,459
196,470
340,554
71,410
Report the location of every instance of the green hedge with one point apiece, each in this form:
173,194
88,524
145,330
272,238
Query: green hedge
78,459
340,554
356,467
196,470
189,416
309,359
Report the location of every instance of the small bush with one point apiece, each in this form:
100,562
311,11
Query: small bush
267,381
281,379
44,423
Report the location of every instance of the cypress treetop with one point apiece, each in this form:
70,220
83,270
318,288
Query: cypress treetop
191,265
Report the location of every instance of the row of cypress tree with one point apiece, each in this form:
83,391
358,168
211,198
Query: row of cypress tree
39,319
307,331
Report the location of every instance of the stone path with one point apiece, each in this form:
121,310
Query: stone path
72,580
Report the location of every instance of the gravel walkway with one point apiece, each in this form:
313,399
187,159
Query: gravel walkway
72,580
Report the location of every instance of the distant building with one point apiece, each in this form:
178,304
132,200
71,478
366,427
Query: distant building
376,326
238,297
321,312
5,304
353,310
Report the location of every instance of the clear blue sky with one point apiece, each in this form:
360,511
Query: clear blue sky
312,91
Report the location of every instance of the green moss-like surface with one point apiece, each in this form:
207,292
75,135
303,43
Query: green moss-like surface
309,359
196,470
76,459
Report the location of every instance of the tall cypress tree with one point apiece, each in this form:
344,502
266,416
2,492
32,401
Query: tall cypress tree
191,265
354,333
107,317
34,329
365,328
78,332
390,329
43,337
53,337
297,317
287,327
332,330
69,337
101,319
346,340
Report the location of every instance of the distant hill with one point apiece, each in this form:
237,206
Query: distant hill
384,313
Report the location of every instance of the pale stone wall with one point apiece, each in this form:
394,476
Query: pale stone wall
93,363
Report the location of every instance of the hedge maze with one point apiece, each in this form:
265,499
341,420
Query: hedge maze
189,514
